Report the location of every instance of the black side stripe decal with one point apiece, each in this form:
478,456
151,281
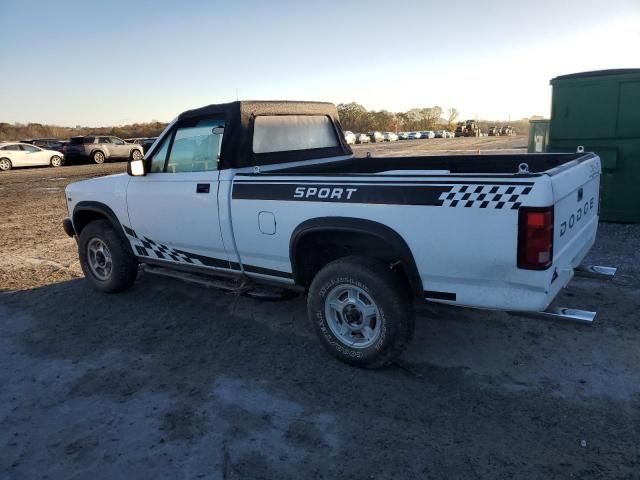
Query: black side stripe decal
371,194
266,271
440,295
146,247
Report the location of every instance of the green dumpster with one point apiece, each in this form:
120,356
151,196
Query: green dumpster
538,136
600,111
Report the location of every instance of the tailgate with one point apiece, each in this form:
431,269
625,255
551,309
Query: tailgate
576,195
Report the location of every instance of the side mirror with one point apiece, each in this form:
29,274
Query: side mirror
136,168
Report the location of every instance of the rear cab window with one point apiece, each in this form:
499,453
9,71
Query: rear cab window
284,133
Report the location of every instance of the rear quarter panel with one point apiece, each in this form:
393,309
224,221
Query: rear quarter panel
466,247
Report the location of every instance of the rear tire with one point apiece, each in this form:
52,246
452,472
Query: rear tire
105,258
98,157
55,161
5,164
361,311
136,154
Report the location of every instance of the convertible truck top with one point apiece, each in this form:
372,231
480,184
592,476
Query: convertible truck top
249,193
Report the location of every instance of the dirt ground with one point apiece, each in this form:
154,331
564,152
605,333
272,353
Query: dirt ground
171,380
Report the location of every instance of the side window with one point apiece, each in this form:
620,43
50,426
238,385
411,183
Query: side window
103,140
196,148
116,140
29,148
158,159
89,139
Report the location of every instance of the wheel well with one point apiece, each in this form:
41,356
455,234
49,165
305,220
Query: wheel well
314,249
82,218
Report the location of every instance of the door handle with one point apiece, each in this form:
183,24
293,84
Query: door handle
202,188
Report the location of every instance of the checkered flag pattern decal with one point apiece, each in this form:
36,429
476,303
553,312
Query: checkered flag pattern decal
148,248
485,196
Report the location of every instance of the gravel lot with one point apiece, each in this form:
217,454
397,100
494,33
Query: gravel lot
171,380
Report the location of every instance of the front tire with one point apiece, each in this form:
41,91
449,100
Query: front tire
55,161
105,258
5,164
136,155
361,311
98,157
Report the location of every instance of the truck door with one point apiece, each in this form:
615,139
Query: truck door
173,210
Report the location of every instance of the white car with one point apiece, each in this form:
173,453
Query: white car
428,134
15,154
414,135
350,137
390,137
362,138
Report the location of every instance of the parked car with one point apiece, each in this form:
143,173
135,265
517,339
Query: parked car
413,135
390,137
376,136
427,134
362,138
100,148
450,231
403,135
15,154
350,137
144,142
50,144
45,143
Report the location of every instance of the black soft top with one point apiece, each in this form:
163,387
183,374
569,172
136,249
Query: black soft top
237,142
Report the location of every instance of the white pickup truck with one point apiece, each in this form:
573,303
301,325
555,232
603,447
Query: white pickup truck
270,193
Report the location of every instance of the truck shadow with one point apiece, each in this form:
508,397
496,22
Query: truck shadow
190,333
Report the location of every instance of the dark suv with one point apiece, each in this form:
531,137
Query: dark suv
100,148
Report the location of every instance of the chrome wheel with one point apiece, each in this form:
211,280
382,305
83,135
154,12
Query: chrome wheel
5,164
98,157
353,316
56,161
136,155
99,259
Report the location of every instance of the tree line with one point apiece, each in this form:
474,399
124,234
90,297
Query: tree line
19,131
353,116
356,118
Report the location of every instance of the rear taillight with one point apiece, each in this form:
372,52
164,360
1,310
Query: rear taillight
535,238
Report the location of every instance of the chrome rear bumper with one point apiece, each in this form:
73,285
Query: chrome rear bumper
562,313
574,314
595,271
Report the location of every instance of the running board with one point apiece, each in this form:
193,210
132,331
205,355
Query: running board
195,278
562,313
595,271
244,286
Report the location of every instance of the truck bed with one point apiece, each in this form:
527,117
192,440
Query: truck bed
454,164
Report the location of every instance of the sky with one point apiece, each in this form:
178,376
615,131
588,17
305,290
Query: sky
116,62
